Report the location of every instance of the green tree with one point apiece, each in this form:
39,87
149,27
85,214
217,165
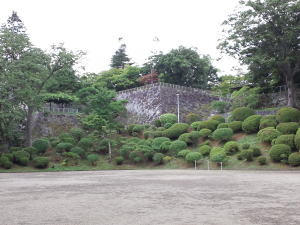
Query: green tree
265,36
120,58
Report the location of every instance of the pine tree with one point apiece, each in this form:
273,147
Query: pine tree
120,58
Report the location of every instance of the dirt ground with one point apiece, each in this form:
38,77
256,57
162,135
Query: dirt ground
150,197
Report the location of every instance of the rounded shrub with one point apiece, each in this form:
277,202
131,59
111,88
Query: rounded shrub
93,158
256,151
79,151
239,156
195,125
288,128
217,154
205,150
288,114
134,154
167,159
76,133
183,153
205,133
209,124
223,134
251,124
176,146
207,142
231,147
41,162
186,137
219,118
157,133
158,158
247,154
236,126
64,147
41,145
21,157
241,113
167,125
137,159
71,158
287,139
220,106
138,128
193,156
31,150
5,162
294,159
192,117
168,118
262,160
280,152
223,125
165,146
86,143
268,134
157,123
126,149
10,156
267,121
176,130
194,136
245,146
297,139
119,160
157,142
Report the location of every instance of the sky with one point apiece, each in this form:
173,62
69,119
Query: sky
95,26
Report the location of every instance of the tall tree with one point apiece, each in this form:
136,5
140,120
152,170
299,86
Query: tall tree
120,58
264,35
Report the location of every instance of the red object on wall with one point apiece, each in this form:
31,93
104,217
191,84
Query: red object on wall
149,78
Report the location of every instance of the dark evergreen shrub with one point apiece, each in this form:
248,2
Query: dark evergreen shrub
251,124
268,134
176,146
294,159
41,145
280,152
219,118
223,134
288,128
176,130
41,162
288,114
236,126
241,113
205,150
231,147
193,156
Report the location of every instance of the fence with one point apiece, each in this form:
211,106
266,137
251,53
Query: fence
59,110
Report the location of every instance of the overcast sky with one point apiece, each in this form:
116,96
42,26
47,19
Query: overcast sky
95,26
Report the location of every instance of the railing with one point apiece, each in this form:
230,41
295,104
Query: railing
59,110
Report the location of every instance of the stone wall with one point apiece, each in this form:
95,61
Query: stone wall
145,104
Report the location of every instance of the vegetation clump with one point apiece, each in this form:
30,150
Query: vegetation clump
193,156
176,130
41,162
241,113
294,159
223,134
41,145
288,114
268,134
231,147
280,152
288,128
251,124
205,150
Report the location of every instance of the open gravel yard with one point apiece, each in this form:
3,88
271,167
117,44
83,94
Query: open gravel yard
151,197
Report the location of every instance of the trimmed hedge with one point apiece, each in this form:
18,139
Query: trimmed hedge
192,117
183,153
280,152
165,146
205,150
41,162
287,139
5,162
21,157
86,143
157,142
168,118
236,126
262,160
93,158
223,125
158,158
294,159
41,145
241,113
209,124
223,134
205,133
297,139
267,121
176,146
193,156
119,160
76,133
79,151
288,128
64,146
288,114
219,118
195,125
186,137
217,154
268,134
176,130
247,154
231,147
256,151
251,124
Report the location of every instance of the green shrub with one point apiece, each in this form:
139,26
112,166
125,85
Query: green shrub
186,137
157,133
71,158
245,146
217,154
287,139
93,158
86,143
165,146
138,128
119,160
241,113
137,159
251,124
54,141
223,134
195,125
256,151
10,156
158,158
41,162
297,139
70,140
31,150
209,124
5,162
220,106
294,159
219,118
79,151
168,118
146,151
268,134
126,149
176,146
223,125
176,130
288,128
21,157
205,133
239,156
167,125
231,147
15,149
205,150
148,134
280,152
262,160
134,154
267,121
183,153
167,159
288,114
76,133
192,117
236,126
41,145
64,147
157,123
207,142
157,142
247,154
194,136
193,156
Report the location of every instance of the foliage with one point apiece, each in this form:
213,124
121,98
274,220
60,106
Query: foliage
268,134
167,159
288,128
205,133
251,124
175,130
208,124
21,157
220,106
231,147
165,146
79,151
76,133
288,114
59,98
222,134
205,150
176,146
183,153
280,152
93,158
120,58
287,139
5,162
192,117
41,162
149,78
186,137
223,125
31,150
168,118
64,147
217,154
195,125
246,97
219,118
236,126
157,142
41,145
158,158
241,113
294,159
86,143
267,121
297,139
119,160
256,151
193,156
138,128
247,154
262,160
245,146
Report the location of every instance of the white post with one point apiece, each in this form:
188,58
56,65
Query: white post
109,150
221,166
178,108
195,165
207,164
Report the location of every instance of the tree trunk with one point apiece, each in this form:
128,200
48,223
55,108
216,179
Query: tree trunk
28,129
290,91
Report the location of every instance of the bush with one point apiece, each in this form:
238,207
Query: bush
76,133
168,118
247,154
236,126
239,156
217,154
219,118
5,162
126,149
79,151
219,106
207,142
288,114
176,146
280,152
241,113
193,156
205,133
176,130
138,128
158,158
64,147
41,162
157,123
287,139
86,143
133,155
256,151
297,139
205,150
209,124
21,157
165,146
288,128
231,147
245,146
262,160
268,134
186,137
192,117
31,150
195,125
167,159
294,159
157,142
119,160
137,159
71,158
14,149
41,145
93,158
10,156
223,125
267,121
167,125
223,134
183,153
251,124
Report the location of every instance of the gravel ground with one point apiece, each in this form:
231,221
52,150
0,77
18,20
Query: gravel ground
150,197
